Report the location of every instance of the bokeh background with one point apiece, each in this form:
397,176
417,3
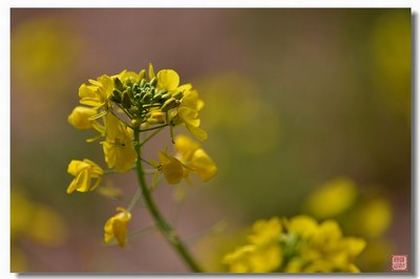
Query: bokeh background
298,102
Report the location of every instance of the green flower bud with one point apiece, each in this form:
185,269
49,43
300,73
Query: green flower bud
169,104
116,96
126,102
153,82
178,95
118,84
142,82
142,74
146,98
166,96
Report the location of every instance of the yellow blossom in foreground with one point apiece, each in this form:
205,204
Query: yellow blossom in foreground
118,147
87,174
372,218
116,227
79,117
332,198
296,245
190,157
321,247
262,254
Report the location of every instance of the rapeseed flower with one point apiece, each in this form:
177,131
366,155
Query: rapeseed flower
87,174
188,112
189,157
116,227
97,93
262,254
128,109
80,117
299,244
332,198
118,147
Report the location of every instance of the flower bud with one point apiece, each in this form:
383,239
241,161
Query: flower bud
170,104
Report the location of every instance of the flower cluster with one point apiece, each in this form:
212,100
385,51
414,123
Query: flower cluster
299,244
120,107
367,214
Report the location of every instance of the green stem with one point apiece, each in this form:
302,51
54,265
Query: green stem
164,227
153,128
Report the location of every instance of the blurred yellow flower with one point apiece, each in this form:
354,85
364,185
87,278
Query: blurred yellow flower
372,218
116,227
265,231
87,174
262,254
322,248
390,49
375,257
118,147
79,117
252,118
302,225
302,245
45,54
36,221
331,198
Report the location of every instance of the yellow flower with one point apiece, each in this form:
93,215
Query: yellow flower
195,158
251,258
303,226
172,168
97,93
262,254
265,231
118,147
79,117
167,79
332,198
188,112
373,217
87,174
36,221
302,246
322,247
116,227
126,76
156,116
190,157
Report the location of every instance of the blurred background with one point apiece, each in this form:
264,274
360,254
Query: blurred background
308,111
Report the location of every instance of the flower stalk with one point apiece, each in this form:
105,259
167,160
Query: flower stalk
164,227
